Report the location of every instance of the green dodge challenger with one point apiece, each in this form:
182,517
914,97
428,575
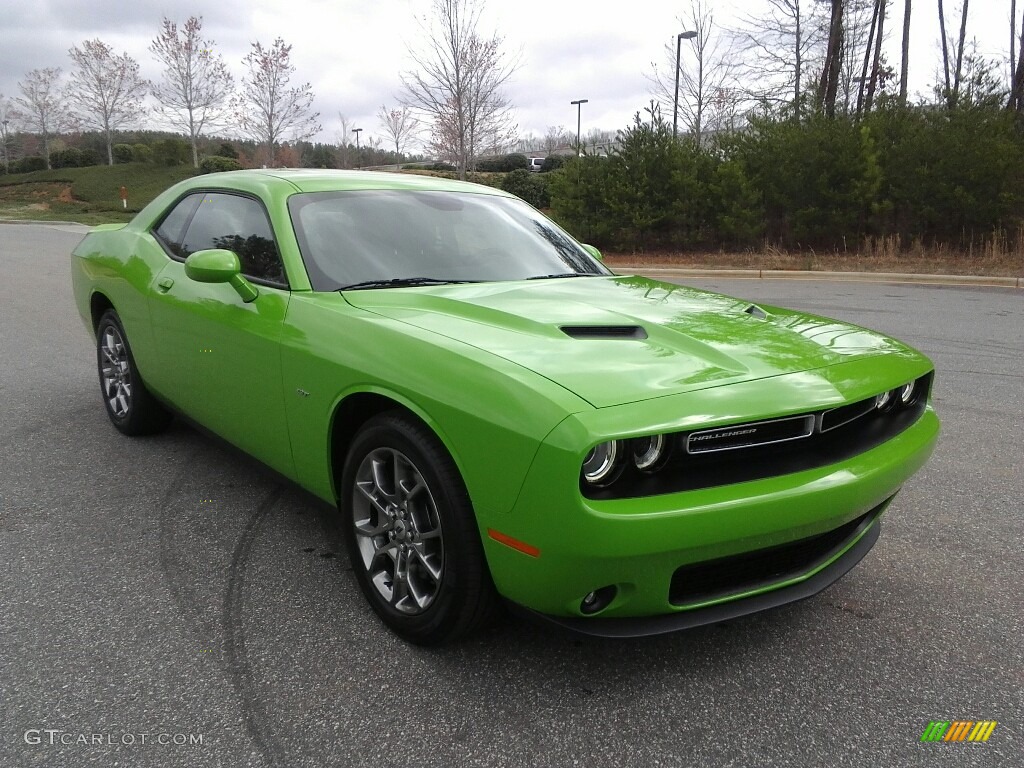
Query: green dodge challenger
495,414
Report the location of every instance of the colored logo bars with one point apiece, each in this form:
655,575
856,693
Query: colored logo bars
958,730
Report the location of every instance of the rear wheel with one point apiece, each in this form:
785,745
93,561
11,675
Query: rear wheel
130,406
412,533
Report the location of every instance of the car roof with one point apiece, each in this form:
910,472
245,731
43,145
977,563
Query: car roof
329,180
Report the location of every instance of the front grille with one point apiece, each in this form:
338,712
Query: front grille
727,576
750,435
792,444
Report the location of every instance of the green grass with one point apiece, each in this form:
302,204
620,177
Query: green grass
87,195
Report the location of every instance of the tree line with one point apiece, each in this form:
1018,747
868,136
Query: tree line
912,173
454,97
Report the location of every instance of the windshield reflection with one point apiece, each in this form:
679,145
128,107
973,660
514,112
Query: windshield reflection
365,236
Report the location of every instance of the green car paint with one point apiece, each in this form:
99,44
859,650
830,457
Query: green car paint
517,401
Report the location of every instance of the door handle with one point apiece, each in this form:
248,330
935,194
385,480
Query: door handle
164,284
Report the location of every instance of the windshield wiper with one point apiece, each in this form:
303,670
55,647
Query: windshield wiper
400,282
560,274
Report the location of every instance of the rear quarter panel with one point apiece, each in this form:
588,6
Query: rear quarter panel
120,265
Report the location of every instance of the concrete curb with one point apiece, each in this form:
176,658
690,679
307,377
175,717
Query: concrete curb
805,274
41,223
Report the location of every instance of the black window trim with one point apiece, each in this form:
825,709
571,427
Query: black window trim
220,191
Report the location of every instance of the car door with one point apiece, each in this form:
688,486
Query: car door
222,358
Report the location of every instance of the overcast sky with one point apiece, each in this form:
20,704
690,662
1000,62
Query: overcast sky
354,51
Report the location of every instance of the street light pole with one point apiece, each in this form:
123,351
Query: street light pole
356,131
675,104
579,109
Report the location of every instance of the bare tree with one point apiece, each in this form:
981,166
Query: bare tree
458,85
556,137
905,60
344,142
268,110
599,141
399,126
1013,38
830,71
7,119
782,45
705,84
41,106
858,28
1016,100
876,67
959,55
945,51
196,85
105,91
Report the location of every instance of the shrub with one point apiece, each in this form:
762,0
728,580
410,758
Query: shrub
218,164
123,153
88,158
503,164
227,150
171,152
141,153
66,158
319,156
554,162
529,186
28,165
438,167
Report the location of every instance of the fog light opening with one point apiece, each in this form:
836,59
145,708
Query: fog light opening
598,600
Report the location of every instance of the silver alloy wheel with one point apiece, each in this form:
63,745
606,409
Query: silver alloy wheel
398,530
115,372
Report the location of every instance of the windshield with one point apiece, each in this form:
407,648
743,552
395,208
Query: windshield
403,237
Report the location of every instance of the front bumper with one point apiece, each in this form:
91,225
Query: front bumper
640,545
799,587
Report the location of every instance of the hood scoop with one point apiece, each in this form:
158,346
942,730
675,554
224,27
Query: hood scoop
604,331
755,311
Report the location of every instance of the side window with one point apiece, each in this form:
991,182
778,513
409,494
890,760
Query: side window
172,229
238,224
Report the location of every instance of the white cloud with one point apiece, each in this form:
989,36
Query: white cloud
353,51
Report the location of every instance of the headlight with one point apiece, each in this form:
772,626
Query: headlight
907,393
647,452
601,465
883,400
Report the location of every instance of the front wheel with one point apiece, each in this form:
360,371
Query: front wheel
130,406
412,534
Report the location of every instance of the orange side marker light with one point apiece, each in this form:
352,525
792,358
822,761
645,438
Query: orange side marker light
516,544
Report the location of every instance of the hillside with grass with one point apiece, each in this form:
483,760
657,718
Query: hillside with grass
89,195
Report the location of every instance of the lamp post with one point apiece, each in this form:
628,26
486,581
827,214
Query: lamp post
675,105
579,108
357,131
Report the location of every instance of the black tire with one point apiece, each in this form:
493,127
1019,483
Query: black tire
462,598
130,406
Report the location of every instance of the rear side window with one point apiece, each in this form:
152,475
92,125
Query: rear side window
172,229
237,224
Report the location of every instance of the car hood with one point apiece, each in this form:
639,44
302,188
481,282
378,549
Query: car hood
615,340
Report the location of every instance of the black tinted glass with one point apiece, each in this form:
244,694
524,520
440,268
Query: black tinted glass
172,228
238,224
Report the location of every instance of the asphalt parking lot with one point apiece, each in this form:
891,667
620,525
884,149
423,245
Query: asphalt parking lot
166,588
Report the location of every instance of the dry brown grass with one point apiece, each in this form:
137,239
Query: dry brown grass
996,256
